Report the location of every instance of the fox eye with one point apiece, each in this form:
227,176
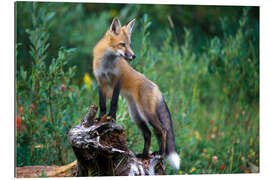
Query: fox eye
122,44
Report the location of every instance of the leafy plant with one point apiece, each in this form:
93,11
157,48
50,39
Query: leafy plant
49,102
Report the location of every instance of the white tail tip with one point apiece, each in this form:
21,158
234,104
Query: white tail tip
174,160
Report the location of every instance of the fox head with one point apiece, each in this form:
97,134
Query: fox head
120,39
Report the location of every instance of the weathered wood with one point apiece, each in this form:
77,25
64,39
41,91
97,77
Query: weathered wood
100,147
46,171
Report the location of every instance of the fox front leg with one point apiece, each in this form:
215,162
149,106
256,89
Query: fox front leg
102,102
114,101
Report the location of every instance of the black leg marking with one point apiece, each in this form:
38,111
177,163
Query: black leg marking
160,132
114,101
147,138
102,102
159,137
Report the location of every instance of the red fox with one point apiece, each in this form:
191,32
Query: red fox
143,97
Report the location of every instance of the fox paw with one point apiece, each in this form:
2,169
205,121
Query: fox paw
111,119
143,156
157,153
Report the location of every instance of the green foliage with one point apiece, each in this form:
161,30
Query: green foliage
213,98
239,67
208,73
49,103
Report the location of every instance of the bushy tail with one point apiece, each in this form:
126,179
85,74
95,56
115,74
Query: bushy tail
174,160
165,117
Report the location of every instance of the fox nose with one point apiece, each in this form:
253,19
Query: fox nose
133,56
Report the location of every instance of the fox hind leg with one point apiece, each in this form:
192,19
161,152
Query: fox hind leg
147,138
136,117
160,132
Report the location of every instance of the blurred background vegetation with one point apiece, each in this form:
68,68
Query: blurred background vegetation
205,59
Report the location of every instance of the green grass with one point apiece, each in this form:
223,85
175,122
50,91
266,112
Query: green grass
207,121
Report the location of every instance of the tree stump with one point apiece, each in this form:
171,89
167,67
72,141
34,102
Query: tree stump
101,149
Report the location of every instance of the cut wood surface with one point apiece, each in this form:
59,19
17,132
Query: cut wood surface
46,171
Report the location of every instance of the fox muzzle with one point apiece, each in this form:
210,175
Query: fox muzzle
130,57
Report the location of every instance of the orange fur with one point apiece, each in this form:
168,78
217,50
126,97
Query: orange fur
143,97
132,80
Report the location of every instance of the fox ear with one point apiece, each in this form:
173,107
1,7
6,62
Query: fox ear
130,26
115,26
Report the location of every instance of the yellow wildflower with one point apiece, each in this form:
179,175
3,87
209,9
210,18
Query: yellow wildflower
193,169
180,172
87,80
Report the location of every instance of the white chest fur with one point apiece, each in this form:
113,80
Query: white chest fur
107,68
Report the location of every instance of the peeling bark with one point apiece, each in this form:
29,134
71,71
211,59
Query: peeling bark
101,149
